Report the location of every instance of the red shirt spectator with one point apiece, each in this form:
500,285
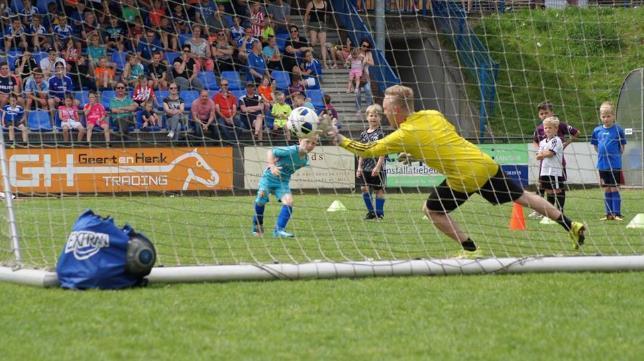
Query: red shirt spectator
203,109
227,103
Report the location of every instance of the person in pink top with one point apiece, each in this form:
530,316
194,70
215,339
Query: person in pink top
96,116
69,118
203,114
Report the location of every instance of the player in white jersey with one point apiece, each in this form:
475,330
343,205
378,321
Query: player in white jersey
551,174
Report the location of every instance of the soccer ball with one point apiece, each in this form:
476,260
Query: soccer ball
141,255
303,122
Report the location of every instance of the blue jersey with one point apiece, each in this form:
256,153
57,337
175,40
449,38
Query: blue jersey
290,160
13,114
609,142
58,87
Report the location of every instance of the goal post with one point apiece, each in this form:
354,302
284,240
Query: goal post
194,196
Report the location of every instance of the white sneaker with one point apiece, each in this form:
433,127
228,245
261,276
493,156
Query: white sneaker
535,215
546,220
171,134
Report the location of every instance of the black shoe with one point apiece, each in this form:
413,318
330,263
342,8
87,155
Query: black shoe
370,215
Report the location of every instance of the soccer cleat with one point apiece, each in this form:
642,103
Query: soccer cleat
370,215
258,230
280,233
535,215
463,254
618,218
577,234
608,217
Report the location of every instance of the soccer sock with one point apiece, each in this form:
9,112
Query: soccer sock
608,202
468,245
285,215
617,204
565,222
367,201
380,206
552,199
561,200
259,214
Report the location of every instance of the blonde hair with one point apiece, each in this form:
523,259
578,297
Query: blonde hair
607,107
375,108
403,95
554,121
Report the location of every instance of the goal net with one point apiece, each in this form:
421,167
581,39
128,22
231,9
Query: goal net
191,188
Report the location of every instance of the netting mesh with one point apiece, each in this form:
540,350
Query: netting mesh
189,181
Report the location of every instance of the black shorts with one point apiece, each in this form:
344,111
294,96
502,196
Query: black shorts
376,183
551,182
498,189
611,178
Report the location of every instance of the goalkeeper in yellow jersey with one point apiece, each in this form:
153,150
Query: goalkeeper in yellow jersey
429,137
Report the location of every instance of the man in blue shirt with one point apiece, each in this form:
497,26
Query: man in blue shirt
609,140
59,85
148,45
256,64
282,163
13,115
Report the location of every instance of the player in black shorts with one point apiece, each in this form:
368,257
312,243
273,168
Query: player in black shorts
371,174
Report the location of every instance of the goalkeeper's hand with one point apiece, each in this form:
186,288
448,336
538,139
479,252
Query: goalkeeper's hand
405,158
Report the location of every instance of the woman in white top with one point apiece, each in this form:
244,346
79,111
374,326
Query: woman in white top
200,47
365,82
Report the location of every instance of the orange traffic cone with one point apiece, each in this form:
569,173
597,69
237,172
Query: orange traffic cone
517,221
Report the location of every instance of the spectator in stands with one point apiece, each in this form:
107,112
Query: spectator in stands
356,61
226,108
280,10
156,13
180,18
185,70
311,71
257,19
203,114
365,81
95,50
62,31
59,85
237,31
272,54
167,35
222,53
13,115
200,49
48,64
280,111
135,33
256,64
245,45
24,65
150,117
70,119
296,87
268,31
316,16
133,70
240,7
5,10
105,74
72,54
8,84
158,71
300,100
114,35
89,25
295,48
28,11
329,110
173,107
252,111
36,90
37,34
143,91
15,37
129,11
208,11
122,108
96,116
148,45
266,91
222,20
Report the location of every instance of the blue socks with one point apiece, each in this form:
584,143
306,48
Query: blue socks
613,203
366,196
259,214
380,205
285,215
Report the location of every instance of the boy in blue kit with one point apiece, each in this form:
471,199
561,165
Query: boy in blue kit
609,141
282,163
13,116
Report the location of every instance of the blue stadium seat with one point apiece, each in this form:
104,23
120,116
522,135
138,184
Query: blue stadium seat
42,5
39,121
188,97
170,56
282,79
38,56
106,95
161,94
82,96
238,93
212,93
118,57
17,5
234,81
12,55
317,98
183,38
208,79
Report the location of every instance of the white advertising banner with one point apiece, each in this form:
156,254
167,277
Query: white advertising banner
330,167
580,164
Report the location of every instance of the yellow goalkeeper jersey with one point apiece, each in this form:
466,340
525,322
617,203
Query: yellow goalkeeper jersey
431,138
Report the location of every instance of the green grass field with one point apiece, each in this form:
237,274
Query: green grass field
588,316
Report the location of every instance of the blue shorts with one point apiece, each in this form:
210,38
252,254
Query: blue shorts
267,187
